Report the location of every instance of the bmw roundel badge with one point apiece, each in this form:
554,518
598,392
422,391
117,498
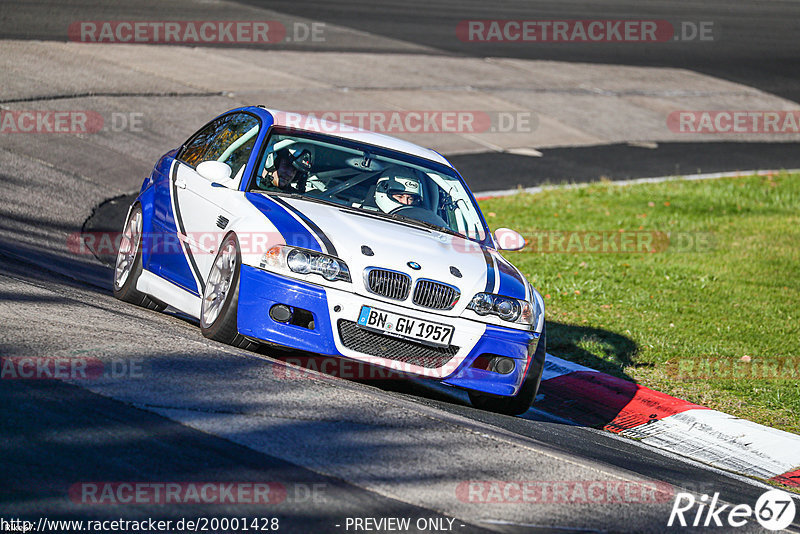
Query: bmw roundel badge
414,265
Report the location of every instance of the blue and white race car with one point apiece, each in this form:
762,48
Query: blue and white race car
336,241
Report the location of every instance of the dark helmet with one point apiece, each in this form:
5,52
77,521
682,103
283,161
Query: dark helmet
300,155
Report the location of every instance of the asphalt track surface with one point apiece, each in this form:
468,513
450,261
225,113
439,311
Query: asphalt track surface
757,45
757,42
56,435
754,44
199,413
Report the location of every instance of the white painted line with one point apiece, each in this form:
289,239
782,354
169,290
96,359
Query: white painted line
711,437
658,179
723,441
525,151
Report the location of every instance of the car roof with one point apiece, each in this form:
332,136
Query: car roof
314,124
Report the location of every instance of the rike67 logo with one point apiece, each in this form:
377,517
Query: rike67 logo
774,510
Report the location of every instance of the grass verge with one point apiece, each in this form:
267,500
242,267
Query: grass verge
709,313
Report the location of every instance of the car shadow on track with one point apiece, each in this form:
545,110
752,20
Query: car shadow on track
570,399
597,348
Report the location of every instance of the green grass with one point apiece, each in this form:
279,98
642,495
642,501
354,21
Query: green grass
655,318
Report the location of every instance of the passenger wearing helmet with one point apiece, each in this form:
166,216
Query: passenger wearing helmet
397,189
289,170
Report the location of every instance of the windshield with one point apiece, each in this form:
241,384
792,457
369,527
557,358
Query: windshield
368,178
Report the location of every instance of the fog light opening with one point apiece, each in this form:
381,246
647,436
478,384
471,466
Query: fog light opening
493,363
303,318
281,313
502,365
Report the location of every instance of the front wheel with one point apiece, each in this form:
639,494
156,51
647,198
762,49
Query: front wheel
128,267
523,400
218,313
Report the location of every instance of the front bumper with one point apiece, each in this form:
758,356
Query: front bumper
334,310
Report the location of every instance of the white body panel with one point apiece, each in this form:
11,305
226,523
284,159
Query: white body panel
169,293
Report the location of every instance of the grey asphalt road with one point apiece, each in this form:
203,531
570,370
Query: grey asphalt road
198,411
754,43
50,448
396,448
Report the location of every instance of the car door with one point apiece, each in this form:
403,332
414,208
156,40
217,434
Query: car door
200,220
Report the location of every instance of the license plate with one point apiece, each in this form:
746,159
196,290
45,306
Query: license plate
406,327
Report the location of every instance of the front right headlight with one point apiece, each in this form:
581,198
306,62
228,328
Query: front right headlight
506,308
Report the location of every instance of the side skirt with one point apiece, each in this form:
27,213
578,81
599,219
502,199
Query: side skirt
169,293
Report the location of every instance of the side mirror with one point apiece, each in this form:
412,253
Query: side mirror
508,239
215,171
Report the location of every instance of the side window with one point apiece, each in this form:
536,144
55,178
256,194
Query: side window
229,139
194,151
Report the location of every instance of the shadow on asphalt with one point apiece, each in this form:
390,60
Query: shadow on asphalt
67,454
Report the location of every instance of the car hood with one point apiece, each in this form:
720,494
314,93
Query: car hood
395,245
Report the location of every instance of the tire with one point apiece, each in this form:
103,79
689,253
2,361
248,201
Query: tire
128,267
523,400
218,312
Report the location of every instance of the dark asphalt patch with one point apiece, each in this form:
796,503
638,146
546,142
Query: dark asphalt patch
497,171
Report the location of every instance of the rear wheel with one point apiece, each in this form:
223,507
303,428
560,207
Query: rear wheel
218,319
128,267
523,400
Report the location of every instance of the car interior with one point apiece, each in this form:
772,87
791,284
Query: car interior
349,177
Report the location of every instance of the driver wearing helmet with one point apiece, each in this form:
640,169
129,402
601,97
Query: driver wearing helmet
289,170
397,189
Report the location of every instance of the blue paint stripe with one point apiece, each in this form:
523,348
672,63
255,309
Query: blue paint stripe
330,249
182,230
294,233
511,282
489,271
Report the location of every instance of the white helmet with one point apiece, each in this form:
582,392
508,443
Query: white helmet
396,189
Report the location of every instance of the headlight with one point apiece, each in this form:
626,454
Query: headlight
303,261
507,308
299,261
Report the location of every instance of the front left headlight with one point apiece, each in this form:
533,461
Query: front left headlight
304,261
506,308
